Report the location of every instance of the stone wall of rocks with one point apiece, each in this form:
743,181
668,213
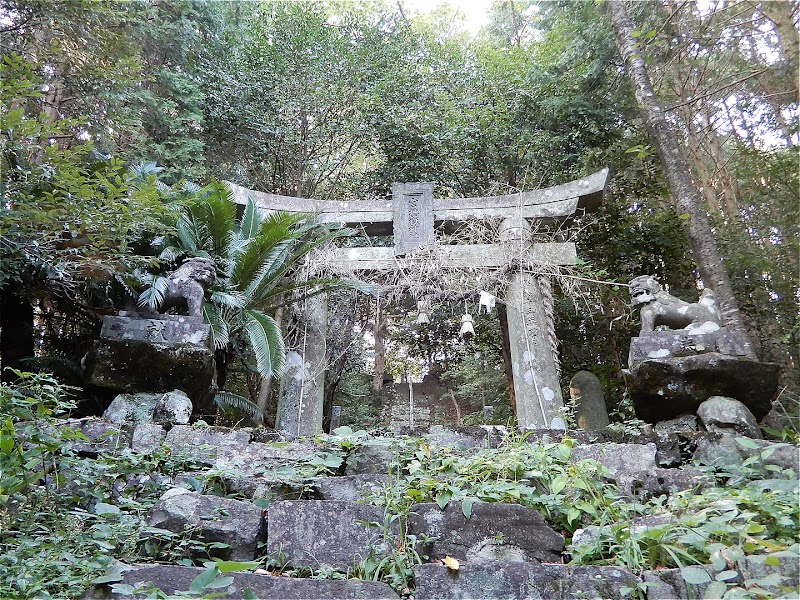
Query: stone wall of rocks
504,550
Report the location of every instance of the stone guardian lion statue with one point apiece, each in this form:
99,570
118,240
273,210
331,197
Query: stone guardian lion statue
186,287
662,308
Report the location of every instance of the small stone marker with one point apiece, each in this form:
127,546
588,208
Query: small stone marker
336,417
588,397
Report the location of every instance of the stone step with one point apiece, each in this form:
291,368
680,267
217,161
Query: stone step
171,579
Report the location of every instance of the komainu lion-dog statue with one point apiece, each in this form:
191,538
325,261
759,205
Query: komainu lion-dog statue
662,308
186,287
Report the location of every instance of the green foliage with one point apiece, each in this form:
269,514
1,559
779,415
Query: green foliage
257,263
66,519
66,212
28,447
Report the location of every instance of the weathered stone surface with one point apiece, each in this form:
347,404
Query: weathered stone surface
256,458
678,424
724,451
205,443
536,384
374,457
102,436
591,535
350,488
634,467
413,216
131,408
173,408
727,415
667,584
147,437
508,532
681,342
668,450
267,488
169,329
621,460
214,519
662,389
588,397
658,482
171,579
756,567
123,363
376,216
518,580
318,533
462,438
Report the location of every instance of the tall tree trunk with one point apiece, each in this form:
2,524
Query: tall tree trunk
16,332
685,197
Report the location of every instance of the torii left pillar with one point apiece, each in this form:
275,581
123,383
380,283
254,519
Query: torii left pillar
302,389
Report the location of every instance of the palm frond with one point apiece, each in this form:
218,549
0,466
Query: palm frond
251,220
286,221
220,330
261,265
266,342
153,296
228,399
170,253
219,218
188,231
232,298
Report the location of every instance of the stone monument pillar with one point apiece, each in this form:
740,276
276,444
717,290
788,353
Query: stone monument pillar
588,397
536,383
302,389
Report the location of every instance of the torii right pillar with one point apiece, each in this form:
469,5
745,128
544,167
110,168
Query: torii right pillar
536,384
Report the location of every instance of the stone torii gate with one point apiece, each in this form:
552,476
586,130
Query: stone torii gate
412,216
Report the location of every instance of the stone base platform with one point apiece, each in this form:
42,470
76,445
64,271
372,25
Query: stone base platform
155,355
683,342
665,388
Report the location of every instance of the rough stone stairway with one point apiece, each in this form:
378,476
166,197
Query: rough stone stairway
343,522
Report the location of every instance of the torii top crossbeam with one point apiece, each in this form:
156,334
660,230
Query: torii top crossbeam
376,217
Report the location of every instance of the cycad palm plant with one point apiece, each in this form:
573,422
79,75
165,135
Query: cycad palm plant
255,259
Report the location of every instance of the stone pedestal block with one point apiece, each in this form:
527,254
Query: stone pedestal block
171,580
212,519
499,579
325,533
155,355
508,532
665,388
684,342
